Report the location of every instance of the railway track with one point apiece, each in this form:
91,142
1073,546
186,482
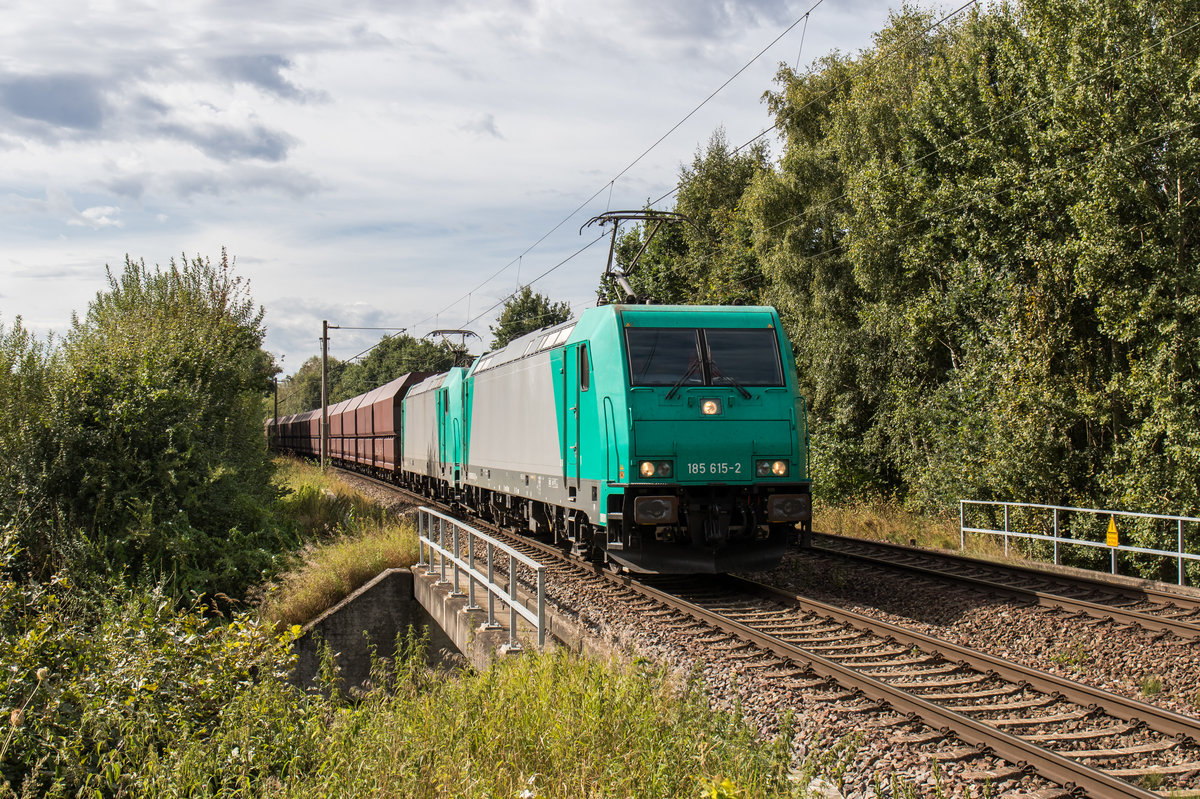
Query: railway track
1084,739
1150,608
1077,736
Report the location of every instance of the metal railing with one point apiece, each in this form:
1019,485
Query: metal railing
456,549
1056,514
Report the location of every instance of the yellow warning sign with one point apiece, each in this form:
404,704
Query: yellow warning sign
1112,532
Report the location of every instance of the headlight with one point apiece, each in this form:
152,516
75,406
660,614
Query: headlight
656,468
769,468
710,407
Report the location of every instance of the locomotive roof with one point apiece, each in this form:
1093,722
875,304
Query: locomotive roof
428,384
556,335
528,344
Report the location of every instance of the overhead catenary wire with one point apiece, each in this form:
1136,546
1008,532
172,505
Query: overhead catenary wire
612,181
830,91
558,265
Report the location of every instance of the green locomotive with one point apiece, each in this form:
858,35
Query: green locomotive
660,438
656,438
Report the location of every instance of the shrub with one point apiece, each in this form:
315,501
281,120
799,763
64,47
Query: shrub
111,684
159,456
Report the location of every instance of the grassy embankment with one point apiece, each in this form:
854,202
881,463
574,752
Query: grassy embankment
138,697
887,520
357,539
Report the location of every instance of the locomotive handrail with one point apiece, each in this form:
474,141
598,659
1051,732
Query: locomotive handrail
1058,539
451,552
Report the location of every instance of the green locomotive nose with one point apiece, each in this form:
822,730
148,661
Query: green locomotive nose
712,403
716,440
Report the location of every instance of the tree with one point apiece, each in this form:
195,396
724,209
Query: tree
982,238
525,312
392,357
302,391
160,460
710,259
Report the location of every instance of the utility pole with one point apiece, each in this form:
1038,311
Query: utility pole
324,392
275,427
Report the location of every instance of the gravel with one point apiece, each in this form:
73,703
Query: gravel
856,746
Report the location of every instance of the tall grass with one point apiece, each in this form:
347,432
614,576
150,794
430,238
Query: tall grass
887,520
555,725
352,540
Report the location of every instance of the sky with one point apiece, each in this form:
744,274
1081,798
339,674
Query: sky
403,164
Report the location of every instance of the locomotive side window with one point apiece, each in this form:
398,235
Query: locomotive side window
748,357
664,356
584,375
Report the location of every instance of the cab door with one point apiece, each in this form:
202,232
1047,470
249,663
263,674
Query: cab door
574,370
445,444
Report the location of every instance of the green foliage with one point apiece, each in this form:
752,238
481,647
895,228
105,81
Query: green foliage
711,259
161,459
27,376
525,312
531,726
135,447
392,357
112,683
302,391
127,696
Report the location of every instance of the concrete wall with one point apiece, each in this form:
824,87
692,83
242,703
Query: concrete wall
398,599
374,615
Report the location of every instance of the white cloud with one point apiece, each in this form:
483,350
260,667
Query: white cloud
97,216
366,159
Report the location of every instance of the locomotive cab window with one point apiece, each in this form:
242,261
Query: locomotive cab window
664,356
748,357
584,374
710,357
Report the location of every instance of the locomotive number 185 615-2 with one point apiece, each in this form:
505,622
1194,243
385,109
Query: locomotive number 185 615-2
714,468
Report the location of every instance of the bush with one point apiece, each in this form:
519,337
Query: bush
108,682
159,466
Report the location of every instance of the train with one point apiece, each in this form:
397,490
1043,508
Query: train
652,438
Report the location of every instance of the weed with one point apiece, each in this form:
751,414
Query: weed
1152,781
1151,685
725,789
833,761
886,520
1075,655
355,539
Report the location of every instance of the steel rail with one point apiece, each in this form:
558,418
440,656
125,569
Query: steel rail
1098,610
1167,722
1071,774
1184,601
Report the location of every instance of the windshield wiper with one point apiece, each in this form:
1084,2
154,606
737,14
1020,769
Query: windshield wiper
690,371
716,375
